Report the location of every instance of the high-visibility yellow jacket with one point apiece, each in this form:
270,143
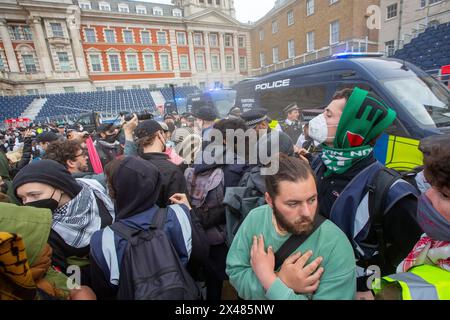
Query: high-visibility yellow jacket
420,283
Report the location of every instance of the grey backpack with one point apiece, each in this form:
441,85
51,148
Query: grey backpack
151,268
239,201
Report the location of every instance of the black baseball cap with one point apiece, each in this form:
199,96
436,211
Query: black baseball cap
47,137
147,128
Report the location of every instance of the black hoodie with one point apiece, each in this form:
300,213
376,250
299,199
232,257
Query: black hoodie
173,180
137,185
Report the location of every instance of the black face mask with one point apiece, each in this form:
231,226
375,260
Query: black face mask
50,203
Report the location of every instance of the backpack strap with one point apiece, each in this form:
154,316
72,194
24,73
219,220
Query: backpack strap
378,192
294,242
123,230
160,218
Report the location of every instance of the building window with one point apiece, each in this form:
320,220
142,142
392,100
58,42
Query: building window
128,36
309,7
124,8
32,92
69,89
141,10
229,63
90,35
96,65
275,55
423,3
164,61
110,36
114,62
200,62
241,42
333,2
390,48
27,35
132,62
262,59
243,63
57,30
261,35
157,11
162,38
198,39
85,5
64,63
392,11
310,45
228,40
104,6
15,33
2,64
213,40
100,89
291,49
181,39
184,62
290,18
145,37
177,13
118,88
274,27
215,62
29,63
334,32
149,62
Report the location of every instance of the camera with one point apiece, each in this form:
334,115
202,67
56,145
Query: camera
141,116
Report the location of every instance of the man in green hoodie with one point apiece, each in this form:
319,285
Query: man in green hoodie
321,268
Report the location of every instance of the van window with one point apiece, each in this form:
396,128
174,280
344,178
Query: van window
424,98
275,101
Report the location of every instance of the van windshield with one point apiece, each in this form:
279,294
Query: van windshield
424,98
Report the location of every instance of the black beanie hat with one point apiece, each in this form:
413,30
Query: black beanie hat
48,172
206,113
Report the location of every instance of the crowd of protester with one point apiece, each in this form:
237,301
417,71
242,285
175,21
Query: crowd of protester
135,211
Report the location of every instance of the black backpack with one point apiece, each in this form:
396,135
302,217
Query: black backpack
151,268
378,192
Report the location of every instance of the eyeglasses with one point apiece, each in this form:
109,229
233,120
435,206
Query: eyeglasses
83,154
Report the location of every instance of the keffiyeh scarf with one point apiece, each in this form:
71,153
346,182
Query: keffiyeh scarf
78,219
427,251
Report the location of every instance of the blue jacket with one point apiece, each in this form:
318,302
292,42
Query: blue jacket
108,248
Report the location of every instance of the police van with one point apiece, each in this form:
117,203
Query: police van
223,100
421,102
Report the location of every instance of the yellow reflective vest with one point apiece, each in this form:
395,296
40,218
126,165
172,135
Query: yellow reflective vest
420,283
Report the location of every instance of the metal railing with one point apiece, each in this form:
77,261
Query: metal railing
355,45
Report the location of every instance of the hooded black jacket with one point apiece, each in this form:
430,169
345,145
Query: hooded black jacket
173,180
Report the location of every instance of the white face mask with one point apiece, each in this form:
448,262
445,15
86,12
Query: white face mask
318,129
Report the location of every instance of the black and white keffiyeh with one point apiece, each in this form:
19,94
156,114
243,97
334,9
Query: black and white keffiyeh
78,219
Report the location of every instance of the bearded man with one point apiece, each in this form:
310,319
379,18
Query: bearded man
319,263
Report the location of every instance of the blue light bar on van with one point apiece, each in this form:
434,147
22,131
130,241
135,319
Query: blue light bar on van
346,55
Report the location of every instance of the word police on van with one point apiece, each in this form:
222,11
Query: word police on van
275,84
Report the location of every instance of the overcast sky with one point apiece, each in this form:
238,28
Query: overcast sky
246,10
